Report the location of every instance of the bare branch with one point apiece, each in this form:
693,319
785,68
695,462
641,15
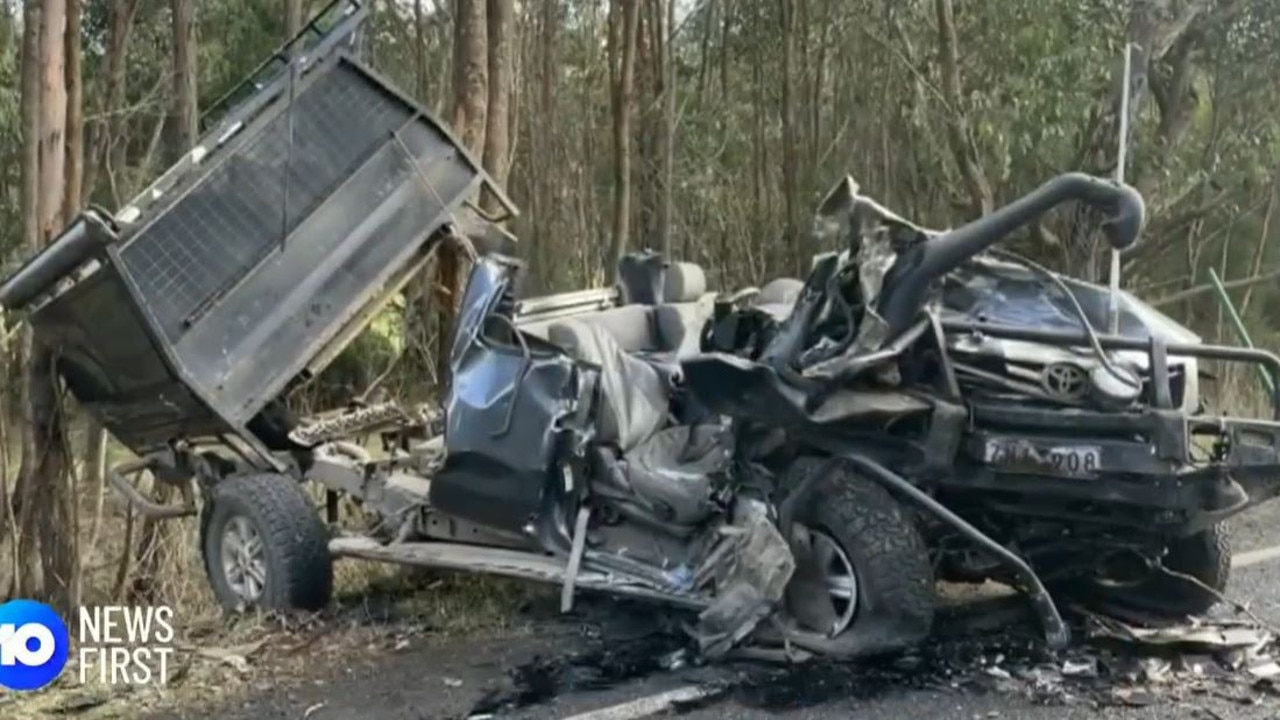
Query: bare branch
1205,287
958,132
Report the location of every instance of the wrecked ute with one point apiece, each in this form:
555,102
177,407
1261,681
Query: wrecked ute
1033,447
789,465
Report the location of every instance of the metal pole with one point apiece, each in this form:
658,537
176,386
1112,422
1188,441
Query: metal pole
1120,162
1236,320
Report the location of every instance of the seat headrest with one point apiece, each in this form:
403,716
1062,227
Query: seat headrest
783,290
685,282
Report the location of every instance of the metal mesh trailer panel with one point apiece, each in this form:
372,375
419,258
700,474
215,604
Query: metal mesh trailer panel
205,299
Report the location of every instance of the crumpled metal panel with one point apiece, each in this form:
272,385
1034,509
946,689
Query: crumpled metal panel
503,414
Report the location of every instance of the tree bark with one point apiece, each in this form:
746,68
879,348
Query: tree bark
73,197
52,496
27,573
667,130
790,159
292,18
72,202
470,73
1154,27
182,125
624,98
470,100
977,190
420,52
497,145
104,142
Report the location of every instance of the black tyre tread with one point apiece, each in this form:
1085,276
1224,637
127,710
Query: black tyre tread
292,533
894,571
1220,573
1205,556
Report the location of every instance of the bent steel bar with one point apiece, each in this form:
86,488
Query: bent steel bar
1114,342
1056,632
116,477
908,281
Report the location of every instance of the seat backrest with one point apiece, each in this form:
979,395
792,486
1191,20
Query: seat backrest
685,309
630,326
633,396
780,291
672,326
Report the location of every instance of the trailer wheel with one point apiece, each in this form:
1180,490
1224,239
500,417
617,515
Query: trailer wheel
866,560
264,545
1205,556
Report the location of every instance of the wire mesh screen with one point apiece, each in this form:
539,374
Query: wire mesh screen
232,219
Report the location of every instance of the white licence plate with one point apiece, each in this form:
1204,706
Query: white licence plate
1077,461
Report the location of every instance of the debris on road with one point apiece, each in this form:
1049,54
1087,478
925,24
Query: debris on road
1114,664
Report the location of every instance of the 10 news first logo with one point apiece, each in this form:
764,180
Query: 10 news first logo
118,645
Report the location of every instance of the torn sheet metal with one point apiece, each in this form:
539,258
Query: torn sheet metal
750,567
985,288
1198,636
874,235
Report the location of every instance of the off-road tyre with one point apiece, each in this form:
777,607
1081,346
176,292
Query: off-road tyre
896,594
1205,556
295,549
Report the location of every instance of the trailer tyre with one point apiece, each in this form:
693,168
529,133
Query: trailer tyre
264,545
892,579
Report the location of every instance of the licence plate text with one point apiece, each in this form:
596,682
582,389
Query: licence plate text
1080,461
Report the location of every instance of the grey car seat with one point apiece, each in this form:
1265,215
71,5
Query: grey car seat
658,472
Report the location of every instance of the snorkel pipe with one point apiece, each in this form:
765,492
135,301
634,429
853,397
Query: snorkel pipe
907,283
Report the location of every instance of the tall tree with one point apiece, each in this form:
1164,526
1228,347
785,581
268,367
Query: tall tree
73,198
106,146
182,124
27,570
1154,29
667,83
790,154
624,52
497,143
470,73
72,201
51,495
292,18
470,102
977,191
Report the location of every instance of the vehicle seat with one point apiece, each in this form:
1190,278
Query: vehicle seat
780,291
662,472
778,297
686,307
634,396
670,477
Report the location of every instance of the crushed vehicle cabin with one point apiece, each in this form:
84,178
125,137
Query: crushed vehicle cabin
795,464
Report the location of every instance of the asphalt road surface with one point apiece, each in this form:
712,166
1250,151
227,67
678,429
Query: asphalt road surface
453,679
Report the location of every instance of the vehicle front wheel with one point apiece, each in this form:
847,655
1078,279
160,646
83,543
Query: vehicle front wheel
1204,556
264,545
863,582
